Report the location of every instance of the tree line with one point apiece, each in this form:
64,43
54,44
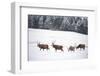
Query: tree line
62,23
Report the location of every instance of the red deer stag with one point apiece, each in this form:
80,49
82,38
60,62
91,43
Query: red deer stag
81,46
57,47
71,48
43,46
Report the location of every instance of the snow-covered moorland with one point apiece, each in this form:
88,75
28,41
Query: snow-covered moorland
64,38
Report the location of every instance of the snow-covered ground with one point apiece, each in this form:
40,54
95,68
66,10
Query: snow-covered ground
64,38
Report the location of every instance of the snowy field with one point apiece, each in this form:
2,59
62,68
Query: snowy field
64,38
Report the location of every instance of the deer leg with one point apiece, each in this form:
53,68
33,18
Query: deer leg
68,50
47,48
56,50
84,48
80,48
62,50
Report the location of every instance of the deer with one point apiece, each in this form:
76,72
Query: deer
57,47
81,46
43,46
71,48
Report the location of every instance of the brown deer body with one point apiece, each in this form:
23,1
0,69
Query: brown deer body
43,46
57,47
81,46
71,48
